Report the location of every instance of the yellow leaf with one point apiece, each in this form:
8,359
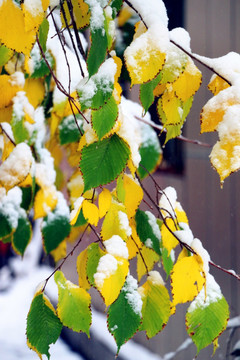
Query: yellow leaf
124,15
159,90
171,105
110,277
150,258
82,269
81,13
168,240
33,14
6,114
104,202
75,186
45,201
187,279
217,84
27,181
133,194
183,254
188,82
144,58
7,90
35,91
214,110
17,38
8,147
90,212
60,252
180,214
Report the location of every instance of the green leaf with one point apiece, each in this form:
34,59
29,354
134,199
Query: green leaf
55,229
98,50
207,317
124,315
22,235
150,151
116,6
148,230
19,130
175,64
68,130
43,325
167,262
102,161
73,305
94,253
146,92
95,92
104,119
156,307
80,220
121,192
5,226
5,54
43,34
26,197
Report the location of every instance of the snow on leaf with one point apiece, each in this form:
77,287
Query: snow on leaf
225,155
217,84
124,315
19,38
112,222
33,14
45,201
207,316
153,293
110,277
8,90
73,305
187,279
43,325
16,167
94,253
188,82
144,57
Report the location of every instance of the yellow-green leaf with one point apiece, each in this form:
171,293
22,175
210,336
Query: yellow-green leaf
73,304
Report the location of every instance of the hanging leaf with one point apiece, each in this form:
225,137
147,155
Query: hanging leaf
5,54
22,235
12,17
43,325
187,279
153,293
6,228
112,224
207,316
146,92
81,13
110,277
90,212
174,66
124,315
168,261
188,82
98,50
148,230
104,119
146,259
73,305
45,201
43,34
82,269
144,58
102,161
169,241
133,194
104,202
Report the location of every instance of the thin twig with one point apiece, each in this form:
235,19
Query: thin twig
71,37
229,272
180,137
8,136
64,259
140,253
79,44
